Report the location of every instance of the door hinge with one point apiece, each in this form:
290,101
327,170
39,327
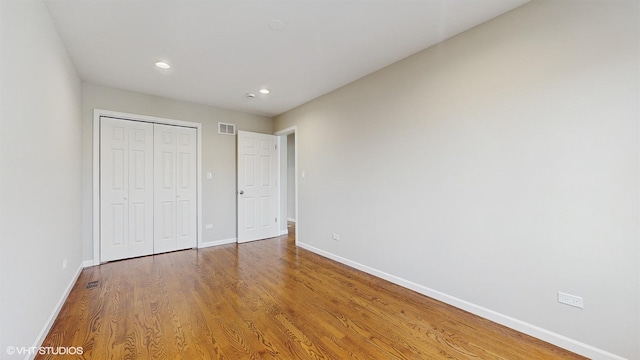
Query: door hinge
276,146
276,219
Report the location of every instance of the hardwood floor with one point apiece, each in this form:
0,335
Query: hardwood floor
268,299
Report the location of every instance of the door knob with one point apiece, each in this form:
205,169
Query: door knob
241,192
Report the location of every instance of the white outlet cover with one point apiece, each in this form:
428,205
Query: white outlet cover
571,300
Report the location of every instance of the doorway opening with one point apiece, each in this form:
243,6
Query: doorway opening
288,160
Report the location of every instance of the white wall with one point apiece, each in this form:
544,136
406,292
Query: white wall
40,205
492,171
291,177
218,152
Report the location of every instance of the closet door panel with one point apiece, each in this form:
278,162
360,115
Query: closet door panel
141,189
126,194
165,188
186,223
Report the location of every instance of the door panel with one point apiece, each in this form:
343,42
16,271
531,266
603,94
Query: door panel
265,211
257,186
175,190
164,188
116,226
140,182
186,191
126,150
139,228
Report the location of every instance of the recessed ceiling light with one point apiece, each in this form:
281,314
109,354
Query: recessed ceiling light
264,91
162,65
250,95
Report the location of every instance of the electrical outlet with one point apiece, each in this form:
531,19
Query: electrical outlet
64,264
335,237
570,300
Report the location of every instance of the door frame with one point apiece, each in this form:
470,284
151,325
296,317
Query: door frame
280,134
97,113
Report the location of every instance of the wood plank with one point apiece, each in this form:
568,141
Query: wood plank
268,300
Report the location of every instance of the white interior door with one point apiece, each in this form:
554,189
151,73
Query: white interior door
126,189
257,186
174,188
186,192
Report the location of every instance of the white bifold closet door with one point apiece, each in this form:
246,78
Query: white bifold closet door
126,189
174,188
147,188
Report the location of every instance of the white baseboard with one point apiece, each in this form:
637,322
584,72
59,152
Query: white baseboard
291,220
510,322
284,232
217,243
89,263
52,318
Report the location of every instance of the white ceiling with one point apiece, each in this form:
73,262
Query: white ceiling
220,50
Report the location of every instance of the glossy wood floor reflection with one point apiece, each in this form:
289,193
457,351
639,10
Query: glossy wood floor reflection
264,300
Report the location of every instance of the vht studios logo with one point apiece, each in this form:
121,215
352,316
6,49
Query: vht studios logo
44,350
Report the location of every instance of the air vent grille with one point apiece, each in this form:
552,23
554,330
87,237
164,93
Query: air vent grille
226,129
